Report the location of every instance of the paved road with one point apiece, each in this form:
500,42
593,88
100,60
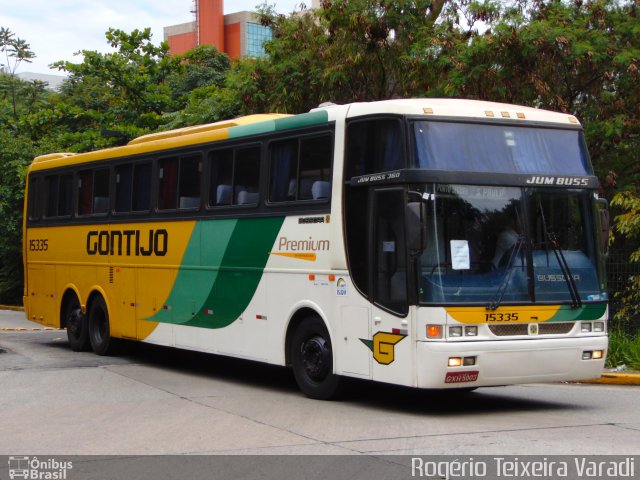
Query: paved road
154,400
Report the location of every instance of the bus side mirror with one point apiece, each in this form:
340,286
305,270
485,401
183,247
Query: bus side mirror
415,218
605,224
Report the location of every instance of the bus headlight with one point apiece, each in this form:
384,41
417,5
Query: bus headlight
455,331
471,331
585,327
598,327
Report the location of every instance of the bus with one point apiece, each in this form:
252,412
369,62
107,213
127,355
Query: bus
430,243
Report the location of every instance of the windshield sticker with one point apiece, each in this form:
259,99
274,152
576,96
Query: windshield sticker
460,255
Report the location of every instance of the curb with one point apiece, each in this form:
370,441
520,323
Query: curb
616,379
26,329
14,308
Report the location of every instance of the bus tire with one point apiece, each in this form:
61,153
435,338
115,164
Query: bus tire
99,330
77,326
312,360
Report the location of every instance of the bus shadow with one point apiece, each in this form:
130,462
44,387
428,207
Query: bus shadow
365,394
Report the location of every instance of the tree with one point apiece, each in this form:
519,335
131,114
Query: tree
627,226
15,51
111,97
346,51
579,57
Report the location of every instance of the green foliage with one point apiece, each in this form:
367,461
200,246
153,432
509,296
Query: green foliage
627,226
123,92
576,56
624,349
15,51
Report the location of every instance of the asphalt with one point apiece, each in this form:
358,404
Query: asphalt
17,322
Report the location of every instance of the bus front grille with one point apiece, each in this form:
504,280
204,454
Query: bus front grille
523,329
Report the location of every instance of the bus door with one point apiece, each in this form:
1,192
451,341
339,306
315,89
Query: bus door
390,320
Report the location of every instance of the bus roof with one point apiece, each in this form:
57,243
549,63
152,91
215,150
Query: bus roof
264,123
451,107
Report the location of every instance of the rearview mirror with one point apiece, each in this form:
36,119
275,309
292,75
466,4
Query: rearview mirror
605,224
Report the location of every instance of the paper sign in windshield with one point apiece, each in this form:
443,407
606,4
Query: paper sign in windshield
460,255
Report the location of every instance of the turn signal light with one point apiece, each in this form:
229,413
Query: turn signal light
434,331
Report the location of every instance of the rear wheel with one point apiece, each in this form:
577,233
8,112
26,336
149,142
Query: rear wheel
99,330
77,327
312,359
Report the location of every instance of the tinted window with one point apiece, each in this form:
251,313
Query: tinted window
93,191
141,200
235,176
374,146
301,169
35,191
179,183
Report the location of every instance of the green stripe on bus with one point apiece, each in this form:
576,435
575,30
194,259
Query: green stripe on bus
285,123
236,252
586,312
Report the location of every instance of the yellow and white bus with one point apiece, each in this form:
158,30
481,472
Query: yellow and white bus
430,243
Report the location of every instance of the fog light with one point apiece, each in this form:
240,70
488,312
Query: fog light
434,331
586,355
598,327
471,331
455,361
585,327
597,354
455,331
468,361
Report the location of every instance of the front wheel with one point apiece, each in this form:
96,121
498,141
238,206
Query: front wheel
99,330
312,359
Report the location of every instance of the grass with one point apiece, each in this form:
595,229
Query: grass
624,349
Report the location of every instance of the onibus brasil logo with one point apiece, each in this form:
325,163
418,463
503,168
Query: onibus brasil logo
33,468
383,346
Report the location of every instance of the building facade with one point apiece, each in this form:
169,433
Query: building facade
237,34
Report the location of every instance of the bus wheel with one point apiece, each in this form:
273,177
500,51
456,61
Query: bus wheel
77,328
312,360
99,331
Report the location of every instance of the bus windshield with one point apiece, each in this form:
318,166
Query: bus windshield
483,147
493,245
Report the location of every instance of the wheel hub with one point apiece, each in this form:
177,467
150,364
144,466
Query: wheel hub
316,357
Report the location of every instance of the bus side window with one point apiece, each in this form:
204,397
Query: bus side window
221,162
247,176
100,201
141,201
301,169
374,146
189,182
65,195
124,177
35,195
93,191
85,192
51,195
168,184
284,164
315,168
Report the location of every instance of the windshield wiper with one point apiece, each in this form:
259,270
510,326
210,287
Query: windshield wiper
552,241
495,302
